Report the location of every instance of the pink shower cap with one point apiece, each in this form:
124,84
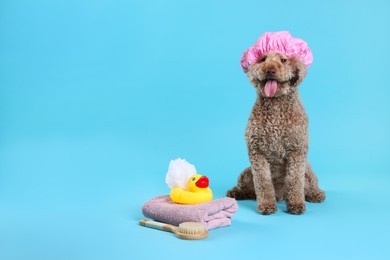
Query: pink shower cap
281,42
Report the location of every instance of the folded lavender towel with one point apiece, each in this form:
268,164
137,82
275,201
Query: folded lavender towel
216,213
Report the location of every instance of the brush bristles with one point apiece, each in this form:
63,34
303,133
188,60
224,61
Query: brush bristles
192,228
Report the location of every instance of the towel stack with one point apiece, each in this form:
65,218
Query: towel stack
214,214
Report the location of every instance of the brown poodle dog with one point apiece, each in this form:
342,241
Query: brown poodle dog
277,139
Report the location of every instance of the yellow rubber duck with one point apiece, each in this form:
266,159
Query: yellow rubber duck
187,187
198,192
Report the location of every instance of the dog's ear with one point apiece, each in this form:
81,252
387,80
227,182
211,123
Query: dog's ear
299,73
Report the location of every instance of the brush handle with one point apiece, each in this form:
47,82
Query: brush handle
158,225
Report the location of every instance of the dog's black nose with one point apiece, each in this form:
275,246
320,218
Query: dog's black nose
270,72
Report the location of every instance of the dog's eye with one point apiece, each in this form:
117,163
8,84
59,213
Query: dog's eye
283,60
263,59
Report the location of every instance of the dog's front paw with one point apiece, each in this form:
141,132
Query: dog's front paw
267,208
296,208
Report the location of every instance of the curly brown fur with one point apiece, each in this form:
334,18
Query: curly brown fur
277,141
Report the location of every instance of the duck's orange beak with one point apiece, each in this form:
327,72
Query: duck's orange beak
203,182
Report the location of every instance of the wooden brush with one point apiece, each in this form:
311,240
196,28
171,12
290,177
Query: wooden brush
186,230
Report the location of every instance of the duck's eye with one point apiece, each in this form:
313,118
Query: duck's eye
283,60
263,59
193,178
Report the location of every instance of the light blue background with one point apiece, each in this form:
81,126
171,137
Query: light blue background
96,97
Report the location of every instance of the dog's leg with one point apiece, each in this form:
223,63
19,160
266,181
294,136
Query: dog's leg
245,188
262,180
295,182
279,188
312,192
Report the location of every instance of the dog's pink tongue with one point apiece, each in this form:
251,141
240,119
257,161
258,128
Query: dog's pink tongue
270,88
